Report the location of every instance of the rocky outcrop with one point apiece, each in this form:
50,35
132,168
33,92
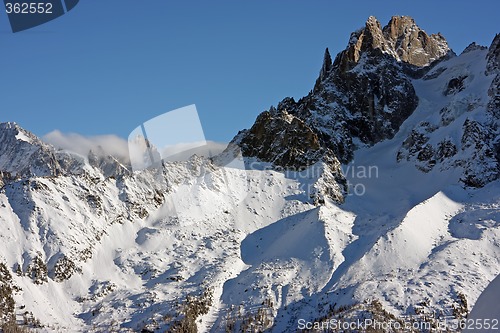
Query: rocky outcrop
275,129
482,137
493,56
473,47
378,97
411,44
326,68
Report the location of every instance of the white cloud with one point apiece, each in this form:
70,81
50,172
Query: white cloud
99,144
119,148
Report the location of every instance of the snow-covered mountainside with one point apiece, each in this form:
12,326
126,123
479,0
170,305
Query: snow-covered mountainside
376,196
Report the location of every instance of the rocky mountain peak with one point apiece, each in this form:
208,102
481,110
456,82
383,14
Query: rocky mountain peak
275,128
352,100
327,65
401,38
363,97
493,68
22,154
473,47
12,131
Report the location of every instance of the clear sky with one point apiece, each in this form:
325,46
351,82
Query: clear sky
109,65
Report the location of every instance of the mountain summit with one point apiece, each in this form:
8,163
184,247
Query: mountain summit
364,95
401,38
22,154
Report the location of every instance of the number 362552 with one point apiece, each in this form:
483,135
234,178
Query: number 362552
28,8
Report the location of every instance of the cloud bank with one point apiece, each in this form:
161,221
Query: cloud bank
119,148
80,144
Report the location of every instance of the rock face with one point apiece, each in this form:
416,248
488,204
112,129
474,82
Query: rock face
275,128
493,68
360,98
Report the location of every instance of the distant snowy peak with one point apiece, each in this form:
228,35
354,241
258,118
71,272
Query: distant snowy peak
12,131
473,47
22,154
401,38
109,165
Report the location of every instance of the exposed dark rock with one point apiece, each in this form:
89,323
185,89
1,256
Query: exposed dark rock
7,304
37,270
473,47
64,268
493,56
481,141
455,85
445,149
426,158
276,129
327,66
378,97
493,68
412,145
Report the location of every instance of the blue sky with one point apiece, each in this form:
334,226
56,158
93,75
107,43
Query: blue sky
109,65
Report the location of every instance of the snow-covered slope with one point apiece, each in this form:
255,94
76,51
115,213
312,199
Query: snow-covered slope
408,225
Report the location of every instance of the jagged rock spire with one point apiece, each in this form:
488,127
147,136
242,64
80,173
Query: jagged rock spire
325,69
327,65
